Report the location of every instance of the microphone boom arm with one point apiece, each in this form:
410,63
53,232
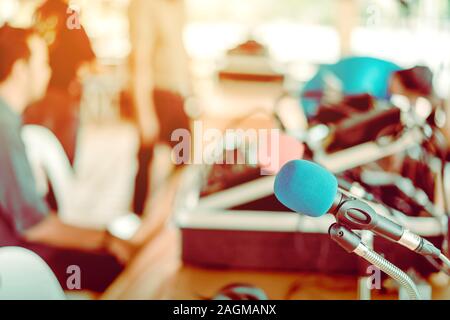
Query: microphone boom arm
358,215
351,242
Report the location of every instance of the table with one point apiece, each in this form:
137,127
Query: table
158,272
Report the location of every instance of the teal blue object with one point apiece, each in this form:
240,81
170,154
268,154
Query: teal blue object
357,74
306,187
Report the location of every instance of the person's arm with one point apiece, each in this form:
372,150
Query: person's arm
53,232
143,37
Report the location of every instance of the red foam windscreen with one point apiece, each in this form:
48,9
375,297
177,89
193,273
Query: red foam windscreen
280,149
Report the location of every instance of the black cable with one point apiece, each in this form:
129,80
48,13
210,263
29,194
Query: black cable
435,264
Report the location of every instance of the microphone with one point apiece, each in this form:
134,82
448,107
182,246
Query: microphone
364,127
308,188
278,151
405,185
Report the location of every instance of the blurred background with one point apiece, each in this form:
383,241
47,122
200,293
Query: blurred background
305,67
300,35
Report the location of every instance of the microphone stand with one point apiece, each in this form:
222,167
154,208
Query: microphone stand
364,291
351,242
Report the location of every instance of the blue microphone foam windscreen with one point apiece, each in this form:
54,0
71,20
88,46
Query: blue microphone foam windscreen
306,187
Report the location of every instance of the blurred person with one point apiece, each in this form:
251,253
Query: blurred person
159,81
25,219
70,58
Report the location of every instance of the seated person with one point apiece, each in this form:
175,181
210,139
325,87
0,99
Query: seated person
70,58
25,219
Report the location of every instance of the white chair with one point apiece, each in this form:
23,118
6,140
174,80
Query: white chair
25,276
49,163
82,197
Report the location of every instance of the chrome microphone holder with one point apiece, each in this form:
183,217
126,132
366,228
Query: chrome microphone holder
351,242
